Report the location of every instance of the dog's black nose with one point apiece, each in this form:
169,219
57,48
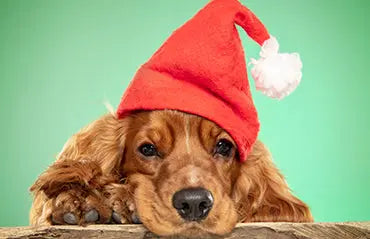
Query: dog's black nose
193,204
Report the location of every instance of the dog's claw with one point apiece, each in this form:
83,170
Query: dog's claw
116,218
135,218
70,218
91,216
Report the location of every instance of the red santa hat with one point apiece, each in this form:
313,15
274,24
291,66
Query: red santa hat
201,69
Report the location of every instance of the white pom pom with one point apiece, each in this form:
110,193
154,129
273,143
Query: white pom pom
276,74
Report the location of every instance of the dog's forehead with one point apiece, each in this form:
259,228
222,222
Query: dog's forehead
167,125
176,124
180,121
172,118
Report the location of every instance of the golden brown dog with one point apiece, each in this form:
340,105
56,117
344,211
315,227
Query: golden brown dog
177,173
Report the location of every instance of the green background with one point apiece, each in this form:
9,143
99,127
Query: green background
60,60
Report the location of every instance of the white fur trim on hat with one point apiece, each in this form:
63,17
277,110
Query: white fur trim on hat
276,74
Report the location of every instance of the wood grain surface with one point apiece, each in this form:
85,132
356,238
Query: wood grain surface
358,230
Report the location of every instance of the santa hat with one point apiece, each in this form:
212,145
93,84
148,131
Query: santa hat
201,70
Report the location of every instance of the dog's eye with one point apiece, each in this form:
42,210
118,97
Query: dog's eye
224,147
148,150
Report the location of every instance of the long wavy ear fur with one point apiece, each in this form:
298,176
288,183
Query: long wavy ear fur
262,194
94,151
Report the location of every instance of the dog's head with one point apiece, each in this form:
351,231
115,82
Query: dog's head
186,177
184,174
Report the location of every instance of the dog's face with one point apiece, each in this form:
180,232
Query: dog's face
183,168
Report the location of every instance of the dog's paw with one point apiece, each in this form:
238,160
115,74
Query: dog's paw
79,207
121,203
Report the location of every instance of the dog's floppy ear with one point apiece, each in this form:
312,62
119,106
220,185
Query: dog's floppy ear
261,193
88,157
101,141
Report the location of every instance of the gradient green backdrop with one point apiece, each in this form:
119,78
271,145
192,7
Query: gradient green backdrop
59,60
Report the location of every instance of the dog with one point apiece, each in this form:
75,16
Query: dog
175,172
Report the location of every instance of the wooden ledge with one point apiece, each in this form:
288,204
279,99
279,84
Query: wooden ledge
358,230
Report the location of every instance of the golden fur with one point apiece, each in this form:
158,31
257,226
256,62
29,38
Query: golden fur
100,168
